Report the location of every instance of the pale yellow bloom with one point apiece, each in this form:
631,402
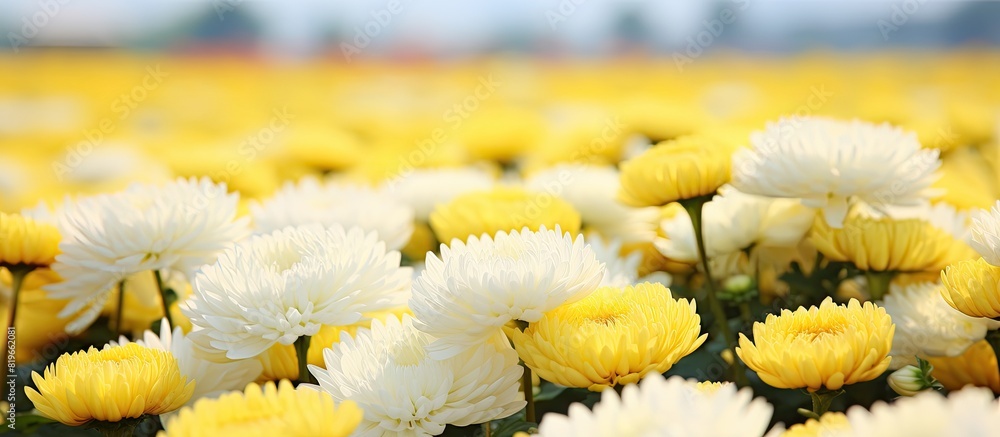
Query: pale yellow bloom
885,244
501,209
972,287
110,385
826,347
267,411
25,241
684,168
977,366
829,424
612,337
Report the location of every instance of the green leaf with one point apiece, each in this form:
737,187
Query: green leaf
549,391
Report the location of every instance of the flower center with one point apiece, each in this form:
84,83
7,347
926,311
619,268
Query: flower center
815,332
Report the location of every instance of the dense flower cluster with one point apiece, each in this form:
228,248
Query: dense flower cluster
715,259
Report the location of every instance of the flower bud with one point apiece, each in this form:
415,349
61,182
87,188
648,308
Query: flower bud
738,289
911,380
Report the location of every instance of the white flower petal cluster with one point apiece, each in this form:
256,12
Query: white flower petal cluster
827,163
986,235
665,407
176,228
970,412
593,190
277,287
927,326
734,221
404,392
425,188
464,297
312,201
211,378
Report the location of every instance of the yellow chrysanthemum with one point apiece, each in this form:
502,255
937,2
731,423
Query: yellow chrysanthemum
829,422
972,287
684,168
270,411
612,337
826,347
421,241
280,361
885,244
110,385
25,241
502,209
977,366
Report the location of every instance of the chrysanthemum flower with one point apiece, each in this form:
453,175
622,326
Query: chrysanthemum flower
684,168
885,244
312,201
664,407
828,162
592,191
425,188
619,270
986,235
972,412
267,411
110,385
826,347
275,288
972,287
476,287
506,209
977,367
927,326
177,227
26,241
210,377
37,325
403,391
831,424
612,337
762,221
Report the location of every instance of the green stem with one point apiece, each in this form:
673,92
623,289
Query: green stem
822,399
17,274
121,309
746,313
878,283
302,353
993,338
694,207
526,385
163,298
123,428
487,429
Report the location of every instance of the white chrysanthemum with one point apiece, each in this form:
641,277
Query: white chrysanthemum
466,296
277,287
970,412
827,162
425,188
177,227
593,190
927,326
619,271
328,203
986,234
665,407
211,378
404,392
734,221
